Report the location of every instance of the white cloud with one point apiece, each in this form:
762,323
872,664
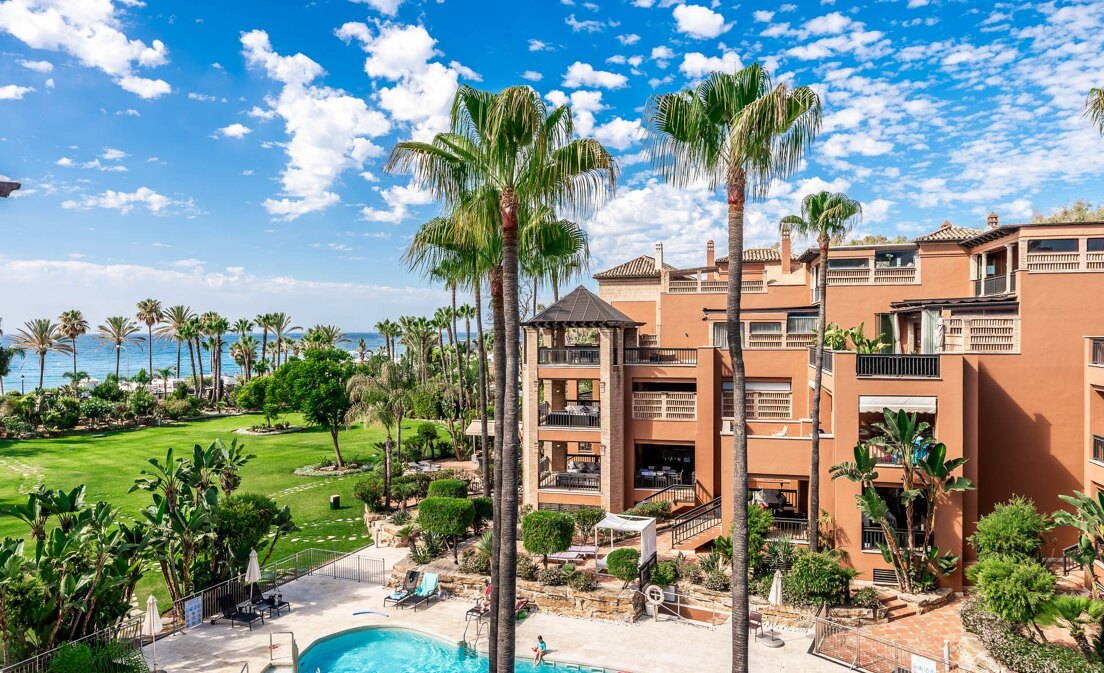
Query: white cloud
618,133
581,74
234,130
465,71
695,65
585,26
206,98
125,202
626,40
762,15
844,144
532,76
700,22
386,7
13,92
876,211
112,154
537,45
330,130
399,199
90,31
129,112
584,105
37,66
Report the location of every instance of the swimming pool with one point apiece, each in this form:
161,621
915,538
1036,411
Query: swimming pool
391,650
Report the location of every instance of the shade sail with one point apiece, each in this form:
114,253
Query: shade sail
876,403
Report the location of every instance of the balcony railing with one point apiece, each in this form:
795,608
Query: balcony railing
696,286
761,405
982,334
789,496
1098,351
570,419
1001,284
1053,261
827,359
661,356
872,536
571,481
664,406
574,356
789,527
881,275
1098,448
906,366
675,493
647,340
661,479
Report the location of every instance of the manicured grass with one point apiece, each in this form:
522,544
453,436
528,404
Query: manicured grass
109,465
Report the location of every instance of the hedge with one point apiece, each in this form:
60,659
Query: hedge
448,488
484,511
624,564
547,532
450,517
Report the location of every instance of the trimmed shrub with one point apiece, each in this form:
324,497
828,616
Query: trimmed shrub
526,569
1014,528
665,573
175,409
552,576
448,488
251,395
141,403
586,519
660,511
1014,589
474,563
448,517
717,581
484,511
816,579
624,564
546,532
866,597
370,492
582,580
95,408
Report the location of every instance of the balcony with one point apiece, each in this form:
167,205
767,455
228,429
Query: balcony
897,366
760,405
1001,284
664,406
1054,261
661,356
662,478
1098,449
700,286
1098,351
586,415
879,275
872,537
794,529
982,334
569,356
827,360
571,481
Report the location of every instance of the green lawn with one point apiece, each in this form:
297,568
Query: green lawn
108,466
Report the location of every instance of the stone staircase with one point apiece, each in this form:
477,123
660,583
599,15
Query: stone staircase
896,608
701,539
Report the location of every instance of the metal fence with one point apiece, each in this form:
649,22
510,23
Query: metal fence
909,366
863,652
128,633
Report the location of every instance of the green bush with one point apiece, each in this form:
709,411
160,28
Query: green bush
370,492
109,390
95,409
141,403
176,408
1006,643
546,532
1014,529
1014,589
448,517
108,657
251,395
866,597
761,585
660,511
624,564
73,658
760,521
552,576
582,580
242,523
400,518
526,569
60,420
448,488
474,563
586,519
816,579
431,547
665,573
426,403
717,581
484,512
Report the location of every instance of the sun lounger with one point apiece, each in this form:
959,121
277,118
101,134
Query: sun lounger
425,591
230,610
271,602
584,549
482,607
406,591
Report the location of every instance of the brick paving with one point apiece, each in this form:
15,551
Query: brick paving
925,632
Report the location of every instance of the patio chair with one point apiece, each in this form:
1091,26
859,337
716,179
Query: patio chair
425,591
230,610
272,602
403,593
482,607
755,624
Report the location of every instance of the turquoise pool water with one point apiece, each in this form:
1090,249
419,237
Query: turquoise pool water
384,650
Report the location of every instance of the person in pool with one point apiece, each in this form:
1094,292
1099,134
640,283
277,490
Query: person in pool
539,650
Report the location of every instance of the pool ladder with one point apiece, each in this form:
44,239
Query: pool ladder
473,645
272,646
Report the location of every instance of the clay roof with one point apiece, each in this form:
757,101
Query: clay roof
759,255
581,308
641,267
948,233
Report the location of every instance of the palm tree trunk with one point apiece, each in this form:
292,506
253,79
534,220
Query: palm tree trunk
178,358
814,413
199,360
387,468
736,198
149,332
485,458
118,355
507,567
74,360
41,368
191,356
454,339
498,327
264,343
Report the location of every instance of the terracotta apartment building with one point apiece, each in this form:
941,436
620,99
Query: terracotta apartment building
627,393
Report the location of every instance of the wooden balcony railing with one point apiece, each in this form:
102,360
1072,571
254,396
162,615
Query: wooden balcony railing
905,366
1094,261
664,406
572,356
1098,351
661,356
571,481
1053,261
982,334
882,275
647,340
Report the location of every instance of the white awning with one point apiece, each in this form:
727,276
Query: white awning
769,385
475,428
876,403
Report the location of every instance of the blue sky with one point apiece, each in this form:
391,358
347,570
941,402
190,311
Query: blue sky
229,155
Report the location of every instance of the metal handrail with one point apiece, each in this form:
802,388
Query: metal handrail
582,356
672,494
696,521
661,356
912,366
1098,351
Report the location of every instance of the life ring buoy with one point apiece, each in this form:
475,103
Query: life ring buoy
653,594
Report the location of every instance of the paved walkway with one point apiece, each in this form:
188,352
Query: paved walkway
927,632
322,606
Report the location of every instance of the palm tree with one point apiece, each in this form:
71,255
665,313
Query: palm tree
73,325
741,131
151,313
75,379
40,336
281,325
215,327
117,332
324,336
187,333
506,152
244,352
383,400
243,327
362,350
1094,107
264,321
174,317
165,373
7,354
826,216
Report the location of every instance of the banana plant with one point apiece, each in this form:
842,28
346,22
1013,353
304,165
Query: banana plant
12,567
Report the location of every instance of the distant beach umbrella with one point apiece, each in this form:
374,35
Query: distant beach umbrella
152,626
253,570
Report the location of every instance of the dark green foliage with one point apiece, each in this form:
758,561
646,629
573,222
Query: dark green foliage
315,386
141,403
623,564
95,408
449,517
243,522
109,390
251,395
427,403
866,597
665,573
546,532
760,521
1007,644
448,488
552,576
484,511
717,581
586,519
54,419
1014,529
660,511
816,579
1014,589
370,492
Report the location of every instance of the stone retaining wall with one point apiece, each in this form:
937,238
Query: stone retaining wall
973,657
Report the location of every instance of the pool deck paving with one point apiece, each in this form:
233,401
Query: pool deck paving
322,606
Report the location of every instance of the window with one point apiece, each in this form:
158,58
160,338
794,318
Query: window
849,263
801,323
1052,245
765,328
885,322
1095,245
895,258
720,334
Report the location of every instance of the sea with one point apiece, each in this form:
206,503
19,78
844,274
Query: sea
98,360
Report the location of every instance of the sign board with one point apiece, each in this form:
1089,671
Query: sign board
923,665
193,612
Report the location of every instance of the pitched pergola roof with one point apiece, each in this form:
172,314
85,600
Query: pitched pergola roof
641,267
581,308
988,301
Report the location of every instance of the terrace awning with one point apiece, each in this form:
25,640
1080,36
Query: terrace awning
916,405
475,428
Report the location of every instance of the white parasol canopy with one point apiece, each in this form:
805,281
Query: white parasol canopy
151,625
775,597
253,570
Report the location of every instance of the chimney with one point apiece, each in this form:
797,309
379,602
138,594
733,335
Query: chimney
993,221
659,257
785,252
710,254
946,224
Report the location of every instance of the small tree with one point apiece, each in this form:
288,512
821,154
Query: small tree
546,532
624,564
1088,518
315,386
448,517
1014,529
586,519
448,488
1014,589
760,521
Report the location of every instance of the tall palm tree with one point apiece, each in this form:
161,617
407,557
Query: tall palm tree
1094,107
151,313
243,327
264,321
215,327
73,326
244,352
174,317
40,336
281,325
741,131
825,216
506,152
324,336
383,399
118,331
187,333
